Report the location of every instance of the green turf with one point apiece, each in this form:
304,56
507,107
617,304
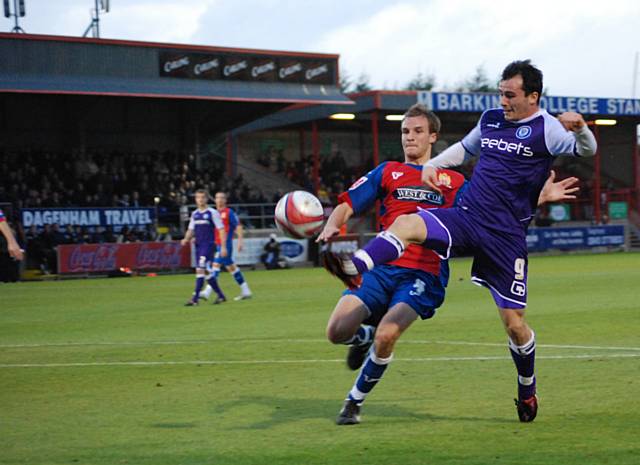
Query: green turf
264,405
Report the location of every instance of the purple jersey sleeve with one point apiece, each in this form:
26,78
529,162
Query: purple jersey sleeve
559,141
366,190
471,141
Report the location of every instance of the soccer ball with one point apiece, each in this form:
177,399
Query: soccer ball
299,214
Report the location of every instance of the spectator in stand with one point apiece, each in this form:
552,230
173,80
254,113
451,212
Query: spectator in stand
108,235
70,236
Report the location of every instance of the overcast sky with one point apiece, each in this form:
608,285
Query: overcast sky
585,48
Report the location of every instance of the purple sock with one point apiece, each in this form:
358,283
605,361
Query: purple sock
384,248
199,284
213,282
524,358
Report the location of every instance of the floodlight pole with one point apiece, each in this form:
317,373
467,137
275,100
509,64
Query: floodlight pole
634,81
95,22
16,27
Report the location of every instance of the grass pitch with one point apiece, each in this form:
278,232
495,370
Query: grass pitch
116,371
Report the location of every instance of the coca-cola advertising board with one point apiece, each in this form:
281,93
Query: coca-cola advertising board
247,67
96,258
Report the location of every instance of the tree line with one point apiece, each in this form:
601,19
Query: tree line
478,82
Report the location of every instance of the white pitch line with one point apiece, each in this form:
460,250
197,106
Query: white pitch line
292,341
289,362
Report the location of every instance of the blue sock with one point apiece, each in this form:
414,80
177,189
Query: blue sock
199,285
237,275
384,248
524,357
371,372
213,282
215,272
363,336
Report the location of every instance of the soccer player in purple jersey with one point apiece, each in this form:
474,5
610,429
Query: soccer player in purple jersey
14,249
204,220
516,146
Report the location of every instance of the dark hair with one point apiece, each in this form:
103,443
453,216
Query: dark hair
420,110
531,76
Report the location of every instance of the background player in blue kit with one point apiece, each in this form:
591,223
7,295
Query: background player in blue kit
391,297
204,220
232,226
516,146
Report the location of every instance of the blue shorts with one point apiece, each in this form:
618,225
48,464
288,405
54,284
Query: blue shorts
500,260
386,285
204,255
225,261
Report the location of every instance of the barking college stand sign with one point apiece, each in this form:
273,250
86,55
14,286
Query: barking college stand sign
479,102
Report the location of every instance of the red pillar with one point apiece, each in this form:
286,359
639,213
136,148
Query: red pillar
376,139
315,145
596,179
376,156
636,171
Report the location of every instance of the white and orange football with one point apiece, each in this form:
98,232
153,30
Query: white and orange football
299,214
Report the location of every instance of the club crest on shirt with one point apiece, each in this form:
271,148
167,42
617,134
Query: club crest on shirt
523,132
396,174
418,194
444,179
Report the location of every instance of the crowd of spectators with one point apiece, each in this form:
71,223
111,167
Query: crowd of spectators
334,173
115,179
167,180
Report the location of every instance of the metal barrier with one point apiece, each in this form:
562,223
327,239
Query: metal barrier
251,215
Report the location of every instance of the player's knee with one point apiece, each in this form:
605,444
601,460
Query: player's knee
407,228
386,337
336,333
517,329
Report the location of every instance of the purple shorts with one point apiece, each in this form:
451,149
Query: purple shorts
499,259
204,254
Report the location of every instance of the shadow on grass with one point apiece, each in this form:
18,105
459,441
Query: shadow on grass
173,425
284,411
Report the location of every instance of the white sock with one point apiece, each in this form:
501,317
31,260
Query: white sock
244,287
207,291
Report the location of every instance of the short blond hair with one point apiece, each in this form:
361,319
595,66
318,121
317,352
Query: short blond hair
420,110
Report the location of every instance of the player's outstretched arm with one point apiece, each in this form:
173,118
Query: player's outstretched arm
586,144
338,218
558,191
14,249
452,156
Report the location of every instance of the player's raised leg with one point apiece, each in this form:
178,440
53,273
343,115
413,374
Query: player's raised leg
393,324
417,228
